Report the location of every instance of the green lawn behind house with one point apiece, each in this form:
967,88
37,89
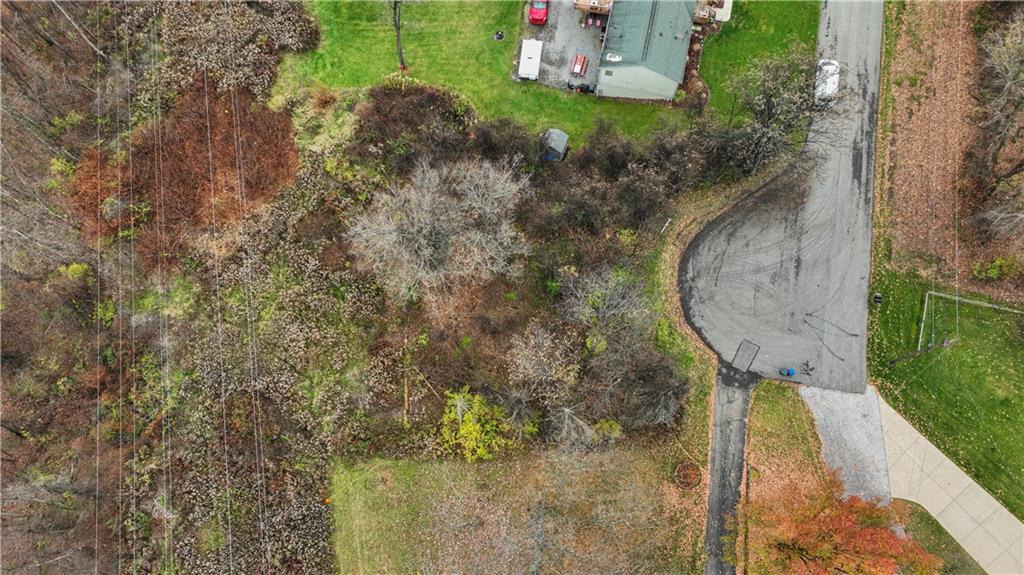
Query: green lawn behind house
757,28
967,398
449,43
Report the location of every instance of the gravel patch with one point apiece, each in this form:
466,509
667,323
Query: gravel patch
563,38
850,428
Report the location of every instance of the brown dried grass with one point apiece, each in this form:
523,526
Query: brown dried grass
927,186
192,170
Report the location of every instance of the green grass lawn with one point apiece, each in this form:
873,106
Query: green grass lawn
449,43
927,531
416,516
780,427
968,398
375,513
757,28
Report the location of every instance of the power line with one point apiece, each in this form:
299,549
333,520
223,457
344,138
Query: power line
120,323
99,179
251,329
134,393
164,342
220,327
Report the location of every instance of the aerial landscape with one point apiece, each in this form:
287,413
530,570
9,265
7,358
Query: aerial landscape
512,286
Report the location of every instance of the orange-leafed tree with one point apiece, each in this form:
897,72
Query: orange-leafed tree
819,532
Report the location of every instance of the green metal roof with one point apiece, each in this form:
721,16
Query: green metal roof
651,33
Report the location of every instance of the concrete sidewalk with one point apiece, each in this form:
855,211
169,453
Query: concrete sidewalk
918,471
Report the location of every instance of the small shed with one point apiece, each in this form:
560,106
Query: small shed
529,59
556,145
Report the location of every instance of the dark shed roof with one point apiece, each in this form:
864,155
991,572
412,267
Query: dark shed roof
556,143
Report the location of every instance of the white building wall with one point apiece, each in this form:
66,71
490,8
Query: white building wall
635,82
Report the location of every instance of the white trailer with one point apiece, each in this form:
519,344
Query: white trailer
529,59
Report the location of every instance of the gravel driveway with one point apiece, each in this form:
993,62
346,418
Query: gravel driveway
563,38
850,428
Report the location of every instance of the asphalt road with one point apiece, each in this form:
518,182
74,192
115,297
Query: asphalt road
787,270
781,279
728,438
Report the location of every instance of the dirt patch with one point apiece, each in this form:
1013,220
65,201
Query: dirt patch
929,129
687,475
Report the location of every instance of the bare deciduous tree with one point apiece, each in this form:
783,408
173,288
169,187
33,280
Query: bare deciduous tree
656,394
544,362
569,428
447,226
1005,217
778,95
617,316
396,19
1003,94
626,376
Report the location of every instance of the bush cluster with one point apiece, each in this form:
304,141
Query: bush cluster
238,44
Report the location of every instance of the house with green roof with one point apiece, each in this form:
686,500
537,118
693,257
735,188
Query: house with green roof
645,48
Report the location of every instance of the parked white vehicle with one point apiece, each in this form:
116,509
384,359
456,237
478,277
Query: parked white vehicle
529,59
826,82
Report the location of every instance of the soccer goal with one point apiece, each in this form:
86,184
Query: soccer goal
941,318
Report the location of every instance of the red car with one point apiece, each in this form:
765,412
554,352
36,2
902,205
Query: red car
538,12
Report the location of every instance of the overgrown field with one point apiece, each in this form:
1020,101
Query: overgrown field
968,397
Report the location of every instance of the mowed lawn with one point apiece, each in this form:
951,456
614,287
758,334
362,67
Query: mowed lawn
449,43
604,510
757,28
927,531
968,398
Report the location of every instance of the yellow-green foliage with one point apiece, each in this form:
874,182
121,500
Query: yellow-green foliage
76,271
997,269
211,536
61,171
105,312
61,124
608,429
474,426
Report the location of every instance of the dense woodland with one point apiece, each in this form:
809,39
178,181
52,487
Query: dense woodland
998,158
209,297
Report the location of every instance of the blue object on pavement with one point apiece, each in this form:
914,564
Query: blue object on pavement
787,371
